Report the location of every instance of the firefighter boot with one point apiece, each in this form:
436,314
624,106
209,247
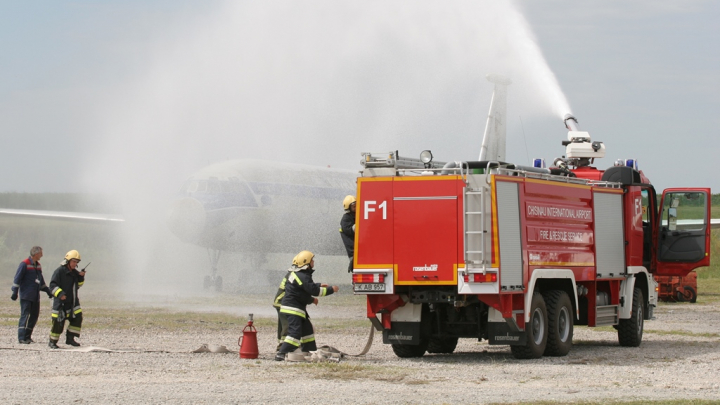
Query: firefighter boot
280,356
53,344
70,340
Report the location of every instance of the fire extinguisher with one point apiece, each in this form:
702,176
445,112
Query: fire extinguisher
248,346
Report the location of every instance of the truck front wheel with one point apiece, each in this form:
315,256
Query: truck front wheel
630,330
442,345
406,351
536,331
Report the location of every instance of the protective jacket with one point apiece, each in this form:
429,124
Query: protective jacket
29,280
347,232
300,290
281,291
66,282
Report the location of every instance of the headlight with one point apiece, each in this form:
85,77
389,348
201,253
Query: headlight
426,156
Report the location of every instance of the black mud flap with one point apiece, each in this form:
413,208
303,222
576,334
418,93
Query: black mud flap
499,333
402,333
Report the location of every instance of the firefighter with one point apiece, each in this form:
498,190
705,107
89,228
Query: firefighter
301,290
282,318
64,284
347,228
29,280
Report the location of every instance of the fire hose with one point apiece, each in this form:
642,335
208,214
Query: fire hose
329,353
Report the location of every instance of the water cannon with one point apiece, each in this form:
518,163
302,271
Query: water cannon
580,149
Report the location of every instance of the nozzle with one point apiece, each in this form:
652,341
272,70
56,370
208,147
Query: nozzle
571,123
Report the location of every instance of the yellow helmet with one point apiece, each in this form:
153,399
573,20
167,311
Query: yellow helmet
303,258
73,254
348,201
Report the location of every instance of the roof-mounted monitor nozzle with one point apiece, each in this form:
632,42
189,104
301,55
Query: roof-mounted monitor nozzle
579,147
571,122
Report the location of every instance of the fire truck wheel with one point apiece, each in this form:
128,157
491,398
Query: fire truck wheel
536,331
560,323
689,295
406,351
630,331
442,345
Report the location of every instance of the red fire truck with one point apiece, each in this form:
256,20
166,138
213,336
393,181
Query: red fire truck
518,255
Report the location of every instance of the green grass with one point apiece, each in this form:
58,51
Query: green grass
638,402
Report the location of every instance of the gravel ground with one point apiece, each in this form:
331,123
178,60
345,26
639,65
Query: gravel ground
678,359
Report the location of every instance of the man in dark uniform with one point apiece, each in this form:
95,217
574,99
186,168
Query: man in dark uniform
300,290
347,228
29,280
64,285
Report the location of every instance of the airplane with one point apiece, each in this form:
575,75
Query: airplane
257,207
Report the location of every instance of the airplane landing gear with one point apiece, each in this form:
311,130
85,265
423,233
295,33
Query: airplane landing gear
214,280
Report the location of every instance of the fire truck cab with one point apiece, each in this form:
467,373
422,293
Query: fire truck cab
517,255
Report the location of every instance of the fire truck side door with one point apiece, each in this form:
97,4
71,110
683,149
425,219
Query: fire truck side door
683,239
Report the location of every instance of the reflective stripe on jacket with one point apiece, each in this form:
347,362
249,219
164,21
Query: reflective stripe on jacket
299,292
66,282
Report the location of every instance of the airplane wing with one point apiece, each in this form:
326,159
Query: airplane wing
63,215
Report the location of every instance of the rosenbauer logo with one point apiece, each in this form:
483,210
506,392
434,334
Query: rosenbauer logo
507,338
400,337
432,267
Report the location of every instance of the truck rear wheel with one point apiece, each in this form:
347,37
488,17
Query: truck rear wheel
560,323
536,331
407,351
442,345
630,331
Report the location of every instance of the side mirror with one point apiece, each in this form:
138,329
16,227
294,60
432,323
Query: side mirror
672,219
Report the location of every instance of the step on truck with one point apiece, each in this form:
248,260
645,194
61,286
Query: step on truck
518,255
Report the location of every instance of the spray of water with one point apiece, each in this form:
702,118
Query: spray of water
315,82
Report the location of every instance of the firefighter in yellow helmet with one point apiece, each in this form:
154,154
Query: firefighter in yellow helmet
347,229
282,317
301,290
64,285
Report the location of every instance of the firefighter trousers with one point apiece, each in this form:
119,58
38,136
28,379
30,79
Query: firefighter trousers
282,328
29,312
300,334
73,329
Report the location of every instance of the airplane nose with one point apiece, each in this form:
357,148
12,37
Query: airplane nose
186,219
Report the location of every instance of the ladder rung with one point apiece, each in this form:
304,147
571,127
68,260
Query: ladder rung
473,251
474,232
473,192
473,212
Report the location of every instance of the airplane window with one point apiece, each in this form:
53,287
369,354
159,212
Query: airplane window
213,187
192,187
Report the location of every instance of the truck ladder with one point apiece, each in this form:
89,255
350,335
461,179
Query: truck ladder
474,227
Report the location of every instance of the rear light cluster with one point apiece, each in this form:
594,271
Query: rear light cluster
368,278
481,278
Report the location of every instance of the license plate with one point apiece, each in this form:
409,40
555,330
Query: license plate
369,287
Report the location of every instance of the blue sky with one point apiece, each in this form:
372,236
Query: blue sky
113,96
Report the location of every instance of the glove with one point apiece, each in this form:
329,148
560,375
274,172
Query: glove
14,296
50,296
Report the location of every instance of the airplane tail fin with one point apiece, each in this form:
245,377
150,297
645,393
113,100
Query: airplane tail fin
493,143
